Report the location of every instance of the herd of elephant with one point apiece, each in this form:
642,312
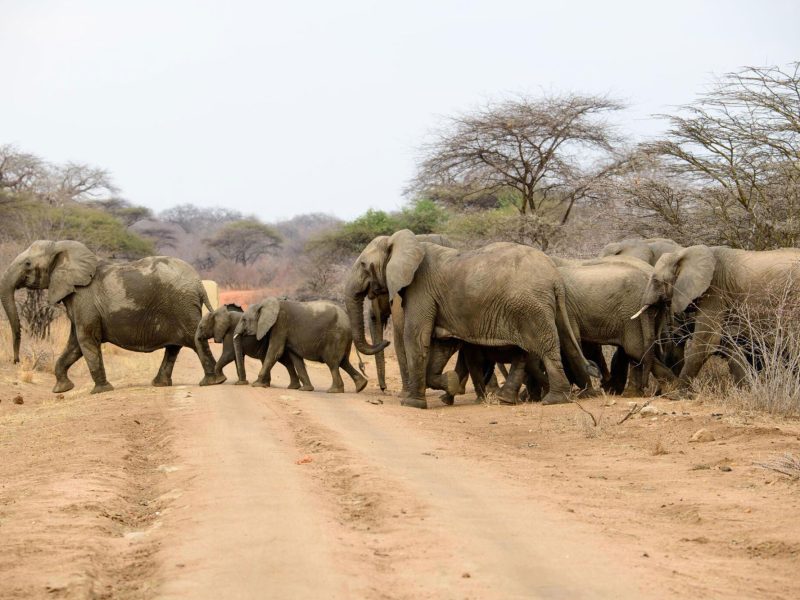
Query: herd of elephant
505,303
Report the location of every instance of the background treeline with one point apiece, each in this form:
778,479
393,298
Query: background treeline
554,171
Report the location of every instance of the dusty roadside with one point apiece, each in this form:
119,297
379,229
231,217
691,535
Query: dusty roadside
187,492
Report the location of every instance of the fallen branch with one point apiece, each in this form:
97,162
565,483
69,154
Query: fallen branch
594,421
786,465
635,409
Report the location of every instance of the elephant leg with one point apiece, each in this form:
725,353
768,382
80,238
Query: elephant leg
461,372
594,352
337,385
164,376
738,370
287,361
274,351
557,380
358,378
618,375
300,367
706,338
450,382
69,356
203,351
509,392
398,324
417,339
90,345
227,357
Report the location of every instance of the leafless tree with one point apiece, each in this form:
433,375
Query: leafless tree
19,170
733,157
547,150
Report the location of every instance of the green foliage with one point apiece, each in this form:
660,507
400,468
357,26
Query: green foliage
422,216
29,219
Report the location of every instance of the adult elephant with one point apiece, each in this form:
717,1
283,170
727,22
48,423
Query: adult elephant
379,310
144,305
601,299
502,294
715,280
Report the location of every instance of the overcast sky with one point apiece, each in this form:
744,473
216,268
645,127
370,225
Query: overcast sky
281,108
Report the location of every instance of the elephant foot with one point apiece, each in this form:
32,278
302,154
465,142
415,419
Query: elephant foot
335,390
258,383
161,382
414,402
294,385
453,383
306,387
504,396
361,383
242,382
213,379
447,399
99,388
63,385
556,398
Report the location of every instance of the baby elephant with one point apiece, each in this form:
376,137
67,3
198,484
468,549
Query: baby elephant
318,331
220,325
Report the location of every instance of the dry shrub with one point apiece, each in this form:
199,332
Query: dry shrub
762,337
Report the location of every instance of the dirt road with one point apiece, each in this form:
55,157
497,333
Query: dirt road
238,492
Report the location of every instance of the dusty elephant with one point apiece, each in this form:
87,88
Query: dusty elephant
318,331
502,294
141,306
220,325
715,280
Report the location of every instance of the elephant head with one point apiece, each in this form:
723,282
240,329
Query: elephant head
679,278
58,267
258,319
214,324
386,266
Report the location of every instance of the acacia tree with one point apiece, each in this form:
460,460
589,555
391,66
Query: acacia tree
733,159
546,150
245,241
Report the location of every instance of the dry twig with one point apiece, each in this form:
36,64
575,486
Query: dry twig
594,421
635,409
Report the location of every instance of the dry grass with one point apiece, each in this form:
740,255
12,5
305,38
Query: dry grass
658,448
786,464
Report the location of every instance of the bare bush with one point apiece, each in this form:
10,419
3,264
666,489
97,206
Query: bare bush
761,342
37,314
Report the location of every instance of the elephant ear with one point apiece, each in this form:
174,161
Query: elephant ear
694,269
612,249
74,265
267,315
405,255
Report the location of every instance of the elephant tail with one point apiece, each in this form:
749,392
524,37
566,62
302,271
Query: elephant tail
562,319
204,297
361,366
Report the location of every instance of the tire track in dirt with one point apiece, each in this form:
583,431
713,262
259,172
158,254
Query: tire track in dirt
481,537
82,527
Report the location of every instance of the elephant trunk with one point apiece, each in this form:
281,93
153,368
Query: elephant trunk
376,326
11,281
354,302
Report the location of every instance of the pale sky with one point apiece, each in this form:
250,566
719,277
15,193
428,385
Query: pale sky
281,108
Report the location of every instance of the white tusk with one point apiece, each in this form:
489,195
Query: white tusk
641,310
236,335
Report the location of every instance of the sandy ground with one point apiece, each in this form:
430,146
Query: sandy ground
238,492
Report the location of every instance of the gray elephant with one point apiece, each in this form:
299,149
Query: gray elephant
379,310
220,325
601,299
141,306
318,331
502,294
714,280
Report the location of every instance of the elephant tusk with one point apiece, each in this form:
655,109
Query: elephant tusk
236,335
641,310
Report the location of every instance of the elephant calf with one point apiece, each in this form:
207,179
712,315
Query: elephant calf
318,331
220,325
